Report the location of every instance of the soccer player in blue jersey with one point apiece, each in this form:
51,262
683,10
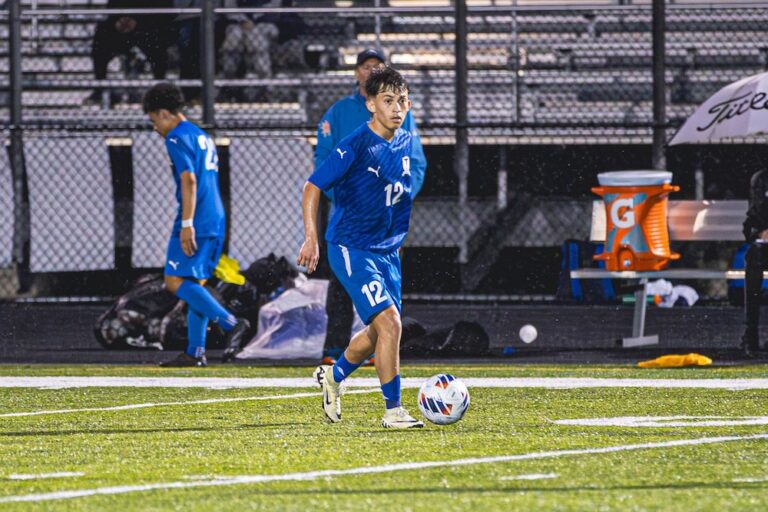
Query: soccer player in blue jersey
198,231
340,120
369,174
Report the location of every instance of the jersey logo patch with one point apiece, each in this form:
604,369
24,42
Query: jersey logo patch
173,264
174,140
341,153
406,166
325,128
374,171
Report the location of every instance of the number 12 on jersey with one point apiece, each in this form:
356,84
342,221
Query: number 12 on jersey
398,190
374,292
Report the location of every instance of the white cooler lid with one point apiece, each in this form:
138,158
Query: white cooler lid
634,178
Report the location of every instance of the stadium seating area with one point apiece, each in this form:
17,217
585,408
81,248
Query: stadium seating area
588,66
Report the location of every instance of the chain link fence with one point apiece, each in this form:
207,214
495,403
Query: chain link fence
555,96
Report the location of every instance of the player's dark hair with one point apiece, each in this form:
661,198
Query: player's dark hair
164,95
384,79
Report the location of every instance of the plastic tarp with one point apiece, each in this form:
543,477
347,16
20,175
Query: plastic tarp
293,325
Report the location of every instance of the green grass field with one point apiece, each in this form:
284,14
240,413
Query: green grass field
266,450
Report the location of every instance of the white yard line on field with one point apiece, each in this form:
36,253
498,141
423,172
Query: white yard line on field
388,468
534,476
666,421
187,402
61,474
411,382
750,480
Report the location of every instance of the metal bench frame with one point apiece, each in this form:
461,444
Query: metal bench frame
688,221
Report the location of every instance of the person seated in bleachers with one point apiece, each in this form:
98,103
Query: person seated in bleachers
119,34
247,42
251,41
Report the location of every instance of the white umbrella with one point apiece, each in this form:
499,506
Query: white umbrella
737,110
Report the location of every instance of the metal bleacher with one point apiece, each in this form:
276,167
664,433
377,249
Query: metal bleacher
571,66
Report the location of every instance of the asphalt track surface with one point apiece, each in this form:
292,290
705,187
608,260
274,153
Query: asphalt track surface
62,334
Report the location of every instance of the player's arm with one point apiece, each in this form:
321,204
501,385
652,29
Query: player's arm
323,179
309,254
188,204
183,163
418,160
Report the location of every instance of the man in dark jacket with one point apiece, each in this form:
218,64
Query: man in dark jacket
119,33
756,233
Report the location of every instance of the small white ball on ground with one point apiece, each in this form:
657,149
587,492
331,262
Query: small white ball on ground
528,333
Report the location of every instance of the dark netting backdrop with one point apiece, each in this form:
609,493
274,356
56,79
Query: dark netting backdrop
555,95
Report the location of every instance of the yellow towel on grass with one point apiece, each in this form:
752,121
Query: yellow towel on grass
228,270
676,361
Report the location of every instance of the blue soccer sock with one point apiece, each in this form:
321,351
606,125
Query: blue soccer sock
391,392
203,302
197,325
343,368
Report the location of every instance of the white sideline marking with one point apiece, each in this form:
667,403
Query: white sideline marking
387,468
411,382
62,474
750,480
533,476
164,404
667,421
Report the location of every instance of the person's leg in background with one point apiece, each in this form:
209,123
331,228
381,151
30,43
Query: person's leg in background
107,44
258,42
189,56
755,260
338,307
231,51
154,43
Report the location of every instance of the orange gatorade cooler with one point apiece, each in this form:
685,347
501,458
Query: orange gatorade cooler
636,235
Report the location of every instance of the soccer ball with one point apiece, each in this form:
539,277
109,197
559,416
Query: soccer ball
528,333
443,399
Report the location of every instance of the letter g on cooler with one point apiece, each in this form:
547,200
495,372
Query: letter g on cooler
627,220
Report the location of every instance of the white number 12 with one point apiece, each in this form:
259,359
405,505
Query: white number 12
398,189
374,292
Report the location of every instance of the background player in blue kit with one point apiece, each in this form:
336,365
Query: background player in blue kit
198,231
369,174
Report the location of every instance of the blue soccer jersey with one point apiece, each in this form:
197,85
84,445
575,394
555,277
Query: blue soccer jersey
192,150
372,189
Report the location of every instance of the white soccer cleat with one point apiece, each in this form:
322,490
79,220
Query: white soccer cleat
398,417
331,392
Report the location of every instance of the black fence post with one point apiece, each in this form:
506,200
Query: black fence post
21,233
461,151
659,87
208,56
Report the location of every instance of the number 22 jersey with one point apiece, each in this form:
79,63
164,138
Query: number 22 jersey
192,150
371,182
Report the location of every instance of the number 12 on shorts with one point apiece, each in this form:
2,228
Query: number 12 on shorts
374,292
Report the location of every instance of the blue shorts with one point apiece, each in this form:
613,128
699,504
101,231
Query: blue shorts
372,280
198,266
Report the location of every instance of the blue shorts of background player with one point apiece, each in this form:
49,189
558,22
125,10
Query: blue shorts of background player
373,280
200,265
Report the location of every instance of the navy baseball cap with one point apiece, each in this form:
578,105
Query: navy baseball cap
370,53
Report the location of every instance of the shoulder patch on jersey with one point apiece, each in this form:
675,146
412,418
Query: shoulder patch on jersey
325,128
174,140
341,153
